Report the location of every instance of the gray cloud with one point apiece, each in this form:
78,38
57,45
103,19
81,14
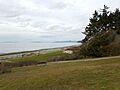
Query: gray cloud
54,4
43,19
10,8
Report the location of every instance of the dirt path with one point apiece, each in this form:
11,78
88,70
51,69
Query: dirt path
93,59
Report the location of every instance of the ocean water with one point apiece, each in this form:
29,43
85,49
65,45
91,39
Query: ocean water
18,47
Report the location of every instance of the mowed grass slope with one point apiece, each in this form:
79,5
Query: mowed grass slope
90,75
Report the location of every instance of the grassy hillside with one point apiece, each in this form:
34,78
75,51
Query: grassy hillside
90,75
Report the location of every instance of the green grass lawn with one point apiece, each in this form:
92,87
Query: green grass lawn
40,57
90,75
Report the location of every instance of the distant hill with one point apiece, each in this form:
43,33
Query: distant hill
66,41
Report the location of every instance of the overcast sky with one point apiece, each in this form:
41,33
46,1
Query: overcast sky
47,20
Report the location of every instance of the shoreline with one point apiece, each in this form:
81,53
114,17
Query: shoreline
4,57
12,55
31,51
8,50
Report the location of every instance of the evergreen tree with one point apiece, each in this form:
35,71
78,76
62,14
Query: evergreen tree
100,34
116,20
104,21
101,22
92,28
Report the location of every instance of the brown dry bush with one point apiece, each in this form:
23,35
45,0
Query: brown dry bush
4,69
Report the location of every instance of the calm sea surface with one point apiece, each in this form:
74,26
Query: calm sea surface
18,47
